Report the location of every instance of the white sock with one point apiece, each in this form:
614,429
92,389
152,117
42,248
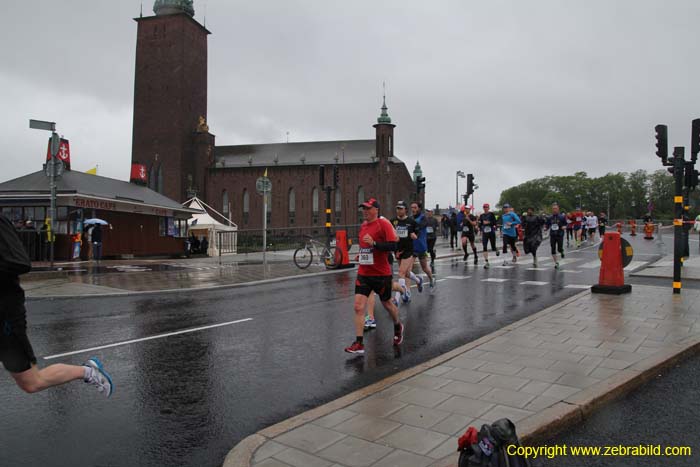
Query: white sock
413,277
88,373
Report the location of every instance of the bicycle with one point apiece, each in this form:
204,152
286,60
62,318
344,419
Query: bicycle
304,255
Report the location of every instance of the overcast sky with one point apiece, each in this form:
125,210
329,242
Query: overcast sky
507,90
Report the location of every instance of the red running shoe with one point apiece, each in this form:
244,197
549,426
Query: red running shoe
398,335
356,347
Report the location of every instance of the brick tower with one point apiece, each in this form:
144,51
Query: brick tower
170,134
385,154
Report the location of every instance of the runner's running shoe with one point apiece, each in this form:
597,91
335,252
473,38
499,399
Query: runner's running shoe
356,347
99,377
515,259
398,335
370,324
556,265
486,265
419,285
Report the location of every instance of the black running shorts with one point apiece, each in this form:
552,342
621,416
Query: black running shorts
16,351
406,254
469,236
381,285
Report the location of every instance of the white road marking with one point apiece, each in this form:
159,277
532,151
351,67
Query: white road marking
457,277
577,286
534,283
571,271
503,266
494,279
159,336
538,269
635,265
590,265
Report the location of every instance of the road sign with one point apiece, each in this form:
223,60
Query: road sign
263,185
55,166
42,125
627,252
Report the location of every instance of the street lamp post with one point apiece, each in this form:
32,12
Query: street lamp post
52,166
607,195
459,175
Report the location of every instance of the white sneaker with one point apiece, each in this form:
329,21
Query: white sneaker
100,378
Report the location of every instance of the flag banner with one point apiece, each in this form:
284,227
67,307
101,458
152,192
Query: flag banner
138,174
63,152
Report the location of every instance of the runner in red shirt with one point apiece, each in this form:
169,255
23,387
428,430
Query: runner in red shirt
377,239
577,220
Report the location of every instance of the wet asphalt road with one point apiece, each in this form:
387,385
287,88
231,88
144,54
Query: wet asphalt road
188,399
664,412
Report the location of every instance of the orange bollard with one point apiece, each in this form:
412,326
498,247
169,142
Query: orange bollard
619,227
649,231
633,227
612,276
341,247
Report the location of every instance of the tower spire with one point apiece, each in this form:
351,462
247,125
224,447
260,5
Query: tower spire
384,116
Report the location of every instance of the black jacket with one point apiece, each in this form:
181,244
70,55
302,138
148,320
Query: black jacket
14,260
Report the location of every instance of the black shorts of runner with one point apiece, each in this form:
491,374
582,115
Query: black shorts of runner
601,229
591,231
381,285
422,254
488,237
469,236
557,243
406,254
16,351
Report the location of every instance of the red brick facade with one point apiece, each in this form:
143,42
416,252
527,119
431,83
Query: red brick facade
170,96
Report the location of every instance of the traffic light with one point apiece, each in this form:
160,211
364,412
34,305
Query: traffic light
662,143
690,176
695,140
420,184
321,175
466,199
336,176
470,185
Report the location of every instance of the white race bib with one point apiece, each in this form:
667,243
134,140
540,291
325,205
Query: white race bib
508,224
465,229
487,229
578,219
402,231
367,256
555,227
429,229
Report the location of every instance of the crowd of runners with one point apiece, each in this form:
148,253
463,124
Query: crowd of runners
409,237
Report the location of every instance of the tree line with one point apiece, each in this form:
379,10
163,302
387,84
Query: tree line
629,194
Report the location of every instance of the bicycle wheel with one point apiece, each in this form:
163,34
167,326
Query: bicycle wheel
303,257
331,257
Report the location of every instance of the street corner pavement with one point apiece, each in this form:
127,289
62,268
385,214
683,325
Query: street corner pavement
545,373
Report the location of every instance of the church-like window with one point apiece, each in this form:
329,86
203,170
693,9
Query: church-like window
246,206
360,199
225,205
160,179
338,205
292,206
314,205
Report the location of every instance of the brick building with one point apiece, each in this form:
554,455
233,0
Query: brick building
171,139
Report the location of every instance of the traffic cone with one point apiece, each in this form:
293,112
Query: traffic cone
649,231
633,228
341,247
612,276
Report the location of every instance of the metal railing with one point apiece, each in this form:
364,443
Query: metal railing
287,238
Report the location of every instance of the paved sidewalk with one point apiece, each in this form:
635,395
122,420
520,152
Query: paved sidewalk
121,277
544,372
664,268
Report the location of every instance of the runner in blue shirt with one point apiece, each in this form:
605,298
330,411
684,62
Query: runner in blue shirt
420,244
510,235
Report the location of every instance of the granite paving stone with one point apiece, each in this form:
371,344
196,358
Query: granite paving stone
413,439
367,427
355,452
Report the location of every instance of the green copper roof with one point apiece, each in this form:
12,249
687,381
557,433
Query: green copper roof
417,172
384,117
170,7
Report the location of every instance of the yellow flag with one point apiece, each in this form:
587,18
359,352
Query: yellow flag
92,171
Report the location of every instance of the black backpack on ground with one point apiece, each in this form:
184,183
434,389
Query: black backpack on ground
490,449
